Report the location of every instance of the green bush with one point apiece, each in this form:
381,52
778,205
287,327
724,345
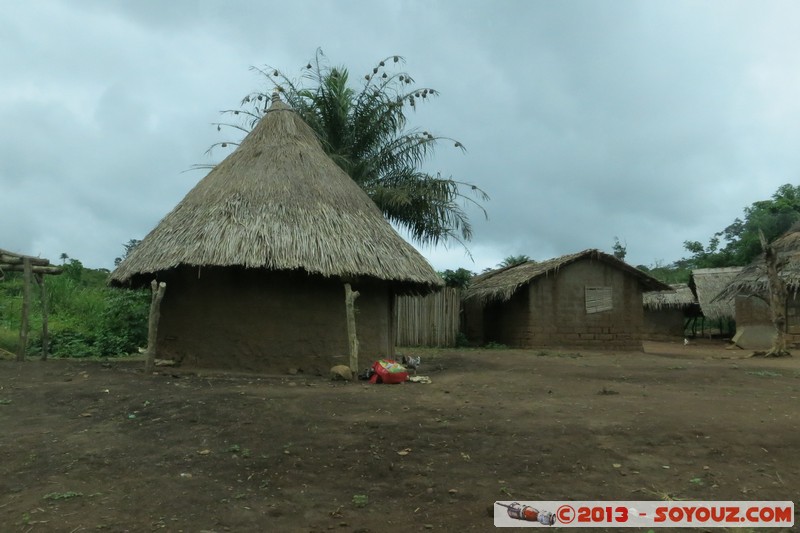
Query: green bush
123,322
9,340
86,318
66,343
461,340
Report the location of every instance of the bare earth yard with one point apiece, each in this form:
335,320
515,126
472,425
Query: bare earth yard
98,446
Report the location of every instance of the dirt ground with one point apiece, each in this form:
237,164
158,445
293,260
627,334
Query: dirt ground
98,446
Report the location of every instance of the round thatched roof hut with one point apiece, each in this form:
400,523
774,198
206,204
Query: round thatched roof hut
256,254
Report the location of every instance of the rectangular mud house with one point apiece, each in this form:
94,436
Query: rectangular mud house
255,259
588,299
666,313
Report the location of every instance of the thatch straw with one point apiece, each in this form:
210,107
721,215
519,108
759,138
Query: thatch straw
501,284
279,202
752,280
679,297
707,284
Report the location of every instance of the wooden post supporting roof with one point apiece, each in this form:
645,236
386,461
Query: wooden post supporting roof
158,290
352,340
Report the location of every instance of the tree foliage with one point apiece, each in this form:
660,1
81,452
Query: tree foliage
457,278
364,130
738,244
619,250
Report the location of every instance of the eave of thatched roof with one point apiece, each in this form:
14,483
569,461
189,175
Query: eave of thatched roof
501,284
707,284
679,297
278,202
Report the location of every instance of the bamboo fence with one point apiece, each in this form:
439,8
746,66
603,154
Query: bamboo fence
433,320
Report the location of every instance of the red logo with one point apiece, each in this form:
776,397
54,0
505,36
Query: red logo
565,514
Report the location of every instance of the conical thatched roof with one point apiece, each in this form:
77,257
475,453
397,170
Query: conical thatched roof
279,202
708,284
752,279
679,297
501,284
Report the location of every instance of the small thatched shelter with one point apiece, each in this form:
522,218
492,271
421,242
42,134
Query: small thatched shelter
589,299
667,313
749,290
256,254
707,284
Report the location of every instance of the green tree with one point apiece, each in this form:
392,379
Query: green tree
741,241
457,278
364,130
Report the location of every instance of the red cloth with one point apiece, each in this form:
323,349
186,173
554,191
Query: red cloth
388,371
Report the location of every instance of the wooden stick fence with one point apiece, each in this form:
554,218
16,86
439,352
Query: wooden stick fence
31,268
433,320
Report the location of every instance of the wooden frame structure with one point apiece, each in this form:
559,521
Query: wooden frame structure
31,268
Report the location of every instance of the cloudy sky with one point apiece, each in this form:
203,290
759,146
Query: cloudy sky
655,122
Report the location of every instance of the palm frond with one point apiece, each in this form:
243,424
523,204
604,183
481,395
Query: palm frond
365,132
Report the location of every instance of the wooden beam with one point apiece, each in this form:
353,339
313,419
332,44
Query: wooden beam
11,257
352,340
158,290
26,304
36,269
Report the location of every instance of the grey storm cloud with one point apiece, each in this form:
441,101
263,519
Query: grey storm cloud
653,122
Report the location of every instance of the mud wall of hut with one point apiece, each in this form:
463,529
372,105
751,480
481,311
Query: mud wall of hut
552,311
251,319
754,311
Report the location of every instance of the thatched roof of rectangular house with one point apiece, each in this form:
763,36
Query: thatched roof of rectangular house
501,284
679,297
707,284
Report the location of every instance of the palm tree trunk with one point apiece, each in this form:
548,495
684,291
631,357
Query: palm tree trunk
777,299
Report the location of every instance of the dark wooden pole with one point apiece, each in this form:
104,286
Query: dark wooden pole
352,340
158,290
26,304
45,307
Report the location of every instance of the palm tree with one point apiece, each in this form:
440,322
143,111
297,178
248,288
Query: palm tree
63,257
364,132
513,260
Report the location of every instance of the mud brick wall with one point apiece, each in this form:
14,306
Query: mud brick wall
551,311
